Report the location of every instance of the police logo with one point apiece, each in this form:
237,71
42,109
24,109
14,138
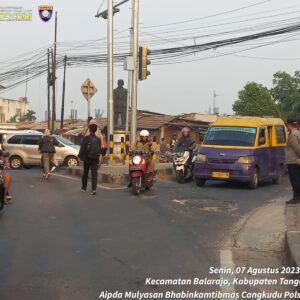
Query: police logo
45,12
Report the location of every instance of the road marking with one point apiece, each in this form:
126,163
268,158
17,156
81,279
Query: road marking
98,185
226,261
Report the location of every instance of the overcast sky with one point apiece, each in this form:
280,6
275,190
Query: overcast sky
171,88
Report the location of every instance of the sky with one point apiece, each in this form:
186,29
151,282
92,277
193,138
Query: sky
174,86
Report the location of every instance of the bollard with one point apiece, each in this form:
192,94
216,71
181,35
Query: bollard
111,147
122,155
127,146
154,143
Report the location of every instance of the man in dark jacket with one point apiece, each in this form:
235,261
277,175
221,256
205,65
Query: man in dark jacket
89,152
47,148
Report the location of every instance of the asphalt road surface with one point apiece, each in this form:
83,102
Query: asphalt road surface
58,243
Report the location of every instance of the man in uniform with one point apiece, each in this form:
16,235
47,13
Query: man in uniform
293,159
120,103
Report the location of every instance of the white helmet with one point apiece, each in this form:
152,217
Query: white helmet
144,133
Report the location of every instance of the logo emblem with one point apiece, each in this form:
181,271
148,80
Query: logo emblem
45,12
222,154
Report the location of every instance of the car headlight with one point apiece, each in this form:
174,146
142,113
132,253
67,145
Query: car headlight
137,160
201,157
246,160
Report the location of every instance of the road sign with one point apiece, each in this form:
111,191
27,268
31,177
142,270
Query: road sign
88,89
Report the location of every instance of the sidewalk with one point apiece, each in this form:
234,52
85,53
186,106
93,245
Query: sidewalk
292,221
118,174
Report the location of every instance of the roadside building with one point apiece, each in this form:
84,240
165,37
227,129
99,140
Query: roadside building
9,108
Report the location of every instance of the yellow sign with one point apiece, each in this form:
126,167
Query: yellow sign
224,175
88,89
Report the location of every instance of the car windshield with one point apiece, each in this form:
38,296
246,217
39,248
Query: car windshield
230,136
63,140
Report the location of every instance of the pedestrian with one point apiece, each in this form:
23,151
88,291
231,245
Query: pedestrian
89,153
293,159
163,147
47,148
173,142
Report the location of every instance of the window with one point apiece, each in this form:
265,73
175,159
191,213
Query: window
280,134
262,136
31,139
230,136
15,139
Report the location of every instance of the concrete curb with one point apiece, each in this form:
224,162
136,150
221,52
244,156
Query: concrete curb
292,235
119,178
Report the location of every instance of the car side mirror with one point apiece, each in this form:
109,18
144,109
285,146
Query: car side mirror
262,140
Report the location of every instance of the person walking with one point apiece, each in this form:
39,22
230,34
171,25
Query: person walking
47,148
293,159
89,153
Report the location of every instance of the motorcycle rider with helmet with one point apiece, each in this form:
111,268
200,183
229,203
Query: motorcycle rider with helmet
186,141
145,145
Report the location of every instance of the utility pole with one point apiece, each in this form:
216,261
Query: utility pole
110,57
54,78
129,83
63,98
135,11
48,89
214,103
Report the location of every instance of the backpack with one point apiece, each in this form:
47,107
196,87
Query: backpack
93,148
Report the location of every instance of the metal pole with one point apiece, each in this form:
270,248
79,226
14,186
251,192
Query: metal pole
48,89
63,98
110,107
134,76
54,78
129,83
88,101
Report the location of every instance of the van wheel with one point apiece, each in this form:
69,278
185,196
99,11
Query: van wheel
16,162
200,182
71,162
254,180
278,177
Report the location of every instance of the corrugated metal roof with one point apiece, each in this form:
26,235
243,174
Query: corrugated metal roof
153,122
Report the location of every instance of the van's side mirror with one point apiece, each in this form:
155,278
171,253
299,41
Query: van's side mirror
60,145
262,140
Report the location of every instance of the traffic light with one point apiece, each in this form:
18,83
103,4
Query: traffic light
143,63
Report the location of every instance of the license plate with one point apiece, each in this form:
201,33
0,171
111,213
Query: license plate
220,175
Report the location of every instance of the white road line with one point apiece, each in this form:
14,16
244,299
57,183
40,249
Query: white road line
98,185
226,262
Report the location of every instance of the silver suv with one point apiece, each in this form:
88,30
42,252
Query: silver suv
23,150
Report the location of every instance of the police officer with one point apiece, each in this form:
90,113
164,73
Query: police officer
293,159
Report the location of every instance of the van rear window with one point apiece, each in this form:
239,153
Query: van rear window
230,136
16,139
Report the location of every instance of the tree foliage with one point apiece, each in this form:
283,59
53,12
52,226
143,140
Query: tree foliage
255,100
29,116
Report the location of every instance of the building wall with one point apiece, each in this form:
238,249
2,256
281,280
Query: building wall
9,108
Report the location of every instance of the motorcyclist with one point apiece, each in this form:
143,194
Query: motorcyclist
7,179
186,141
145,145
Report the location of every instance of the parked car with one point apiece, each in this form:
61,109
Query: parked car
23,149
246,149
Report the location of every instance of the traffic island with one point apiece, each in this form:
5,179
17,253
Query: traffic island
117,174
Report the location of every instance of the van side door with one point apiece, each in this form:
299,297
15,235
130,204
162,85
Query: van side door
30,147
263,152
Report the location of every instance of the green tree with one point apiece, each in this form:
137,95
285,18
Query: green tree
29,116
255,100
14,119
286,92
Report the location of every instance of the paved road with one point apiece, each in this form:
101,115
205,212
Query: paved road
58,243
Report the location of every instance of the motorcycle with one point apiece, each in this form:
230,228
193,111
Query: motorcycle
2,184
138,173
183,164
165,157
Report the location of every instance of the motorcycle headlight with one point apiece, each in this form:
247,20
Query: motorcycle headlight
136,160
246,160
201,157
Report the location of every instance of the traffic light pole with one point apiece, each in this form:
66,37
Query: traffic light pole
135,11
110,107
48,89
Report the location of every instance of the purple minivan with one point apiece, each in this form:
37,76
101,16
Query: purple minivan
245,149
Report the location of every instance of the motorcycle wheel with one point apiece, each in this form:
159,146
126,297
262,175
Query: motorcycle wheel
1,199
136,185
180,177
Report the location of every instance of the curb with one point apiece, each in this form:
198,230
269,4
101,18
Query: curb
292,236
119,178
